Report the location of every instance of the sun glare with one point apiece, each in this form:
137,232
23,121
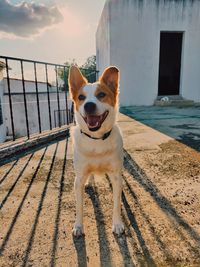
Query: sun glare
72,25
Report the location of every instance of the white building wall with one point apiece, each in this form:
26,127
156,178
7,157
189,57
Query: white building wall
135,41
30,87
103,40
19,112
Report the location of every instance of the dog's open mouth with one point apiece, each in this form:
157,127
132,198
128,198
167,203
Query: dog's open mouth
94,122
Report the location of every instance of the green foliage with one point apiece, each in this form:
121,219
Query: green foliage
88,69
90,63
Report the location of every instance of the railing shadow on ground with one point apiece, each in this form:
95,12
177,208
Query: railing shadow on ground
146,218
144,257
15,182
104,246
39,209
146,253
14,220
140,176
58,212
122,240
8,171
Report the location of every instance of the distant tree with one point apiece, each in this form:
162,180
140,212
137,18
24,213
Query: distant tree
64,72
88,69
90,63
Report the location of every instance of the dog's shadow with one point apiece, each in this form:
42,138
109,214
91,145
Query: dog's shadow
80,247
104,245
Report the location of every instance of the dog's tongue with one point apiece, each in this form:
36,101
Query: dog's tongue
93,121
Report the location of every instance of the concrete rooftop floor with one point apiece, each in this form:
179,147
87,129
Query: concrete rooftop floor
160,204
180,123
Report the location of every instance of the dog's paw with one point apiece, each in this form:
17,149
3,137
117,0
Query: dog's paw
78,230
118,228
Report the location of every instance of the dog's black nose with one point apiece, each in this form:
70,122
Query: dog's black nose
90,107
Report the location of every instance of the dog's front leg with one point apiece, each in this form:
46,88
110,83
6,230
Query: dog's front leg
78,188
116,180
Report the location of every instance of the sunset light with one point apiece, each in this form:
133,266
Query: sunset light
50,30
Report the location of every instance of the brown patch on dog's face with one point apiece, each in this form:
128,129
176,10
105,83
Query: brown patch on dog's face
109,97
109,85
76,98
76,83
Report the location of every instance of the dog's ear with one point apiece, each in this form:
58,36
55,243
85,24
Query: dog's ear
75,80
110,77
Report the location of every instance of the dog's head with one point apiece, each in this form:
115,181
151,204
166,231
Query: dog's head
95,104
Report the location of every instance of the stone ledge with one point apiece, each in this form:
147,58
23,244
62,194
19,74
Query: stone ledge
176,103
23,145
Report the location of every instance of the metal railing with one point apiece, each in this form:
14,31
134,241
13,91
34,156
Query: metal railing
11,92
44,110
60,116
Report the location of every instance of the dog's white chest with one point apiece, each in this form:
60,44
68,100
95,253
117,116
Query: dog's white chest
97,156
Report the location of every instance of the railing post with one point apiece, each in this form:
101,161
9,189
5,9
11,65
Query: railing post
58,99
48,97
10,99
55,117
64,118
25,103
66,98
72,113
37,98
97,75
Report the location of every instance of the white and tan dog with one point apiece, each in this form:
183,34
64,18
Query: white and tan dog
97,140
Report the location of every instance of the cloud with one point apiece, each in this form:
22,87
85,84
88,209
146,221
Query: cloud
27,19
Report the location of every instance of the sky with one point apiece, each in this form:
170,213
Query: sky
49,30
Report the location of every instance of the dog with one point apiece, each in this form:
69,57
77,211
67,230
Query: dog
97,140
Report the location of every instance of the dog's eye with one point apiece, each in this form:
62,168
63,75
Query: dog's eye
101,95
81,97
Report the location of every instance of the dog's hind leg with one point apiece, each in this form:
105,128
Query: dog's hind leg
116,180
78,188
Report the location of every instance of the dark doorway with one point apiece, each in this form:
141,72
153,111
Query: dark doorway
170,63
